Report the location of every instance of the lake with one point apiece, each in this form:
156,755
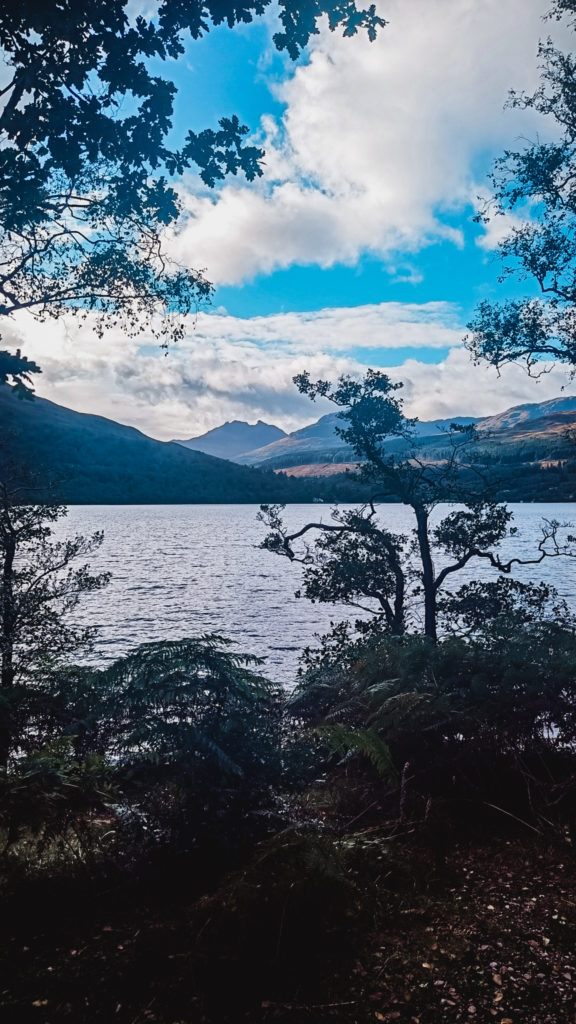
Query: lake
182,570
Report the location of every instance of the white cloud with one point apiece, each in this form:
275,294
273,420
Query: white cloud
455,387
378,141
385,325
232,368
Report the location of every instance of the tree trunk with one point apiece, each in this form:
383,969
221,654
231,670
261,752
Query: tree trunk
7,638
7,613
398,610
428,581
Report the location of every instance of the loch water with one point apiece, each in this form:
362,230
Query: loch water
183,570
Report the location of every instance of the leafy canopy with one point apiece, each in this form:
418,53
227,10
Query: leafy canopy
17,369
86,168
537,186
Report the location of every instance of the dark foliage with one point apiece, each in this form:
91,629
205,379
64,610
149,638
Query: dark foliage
177,743
465,724
41,584
17,369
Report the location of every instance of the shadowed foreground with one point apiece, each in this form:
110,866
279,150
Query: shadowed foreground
353,931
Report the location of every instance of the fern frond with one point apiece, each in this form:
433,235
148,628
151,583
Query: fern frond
367,742
394,711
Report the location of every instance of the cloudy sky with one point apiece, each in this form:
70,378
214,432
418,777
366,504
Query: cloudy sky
358,246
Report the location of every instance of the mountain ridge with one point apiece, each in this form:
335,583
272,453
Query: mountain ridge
233,438
95,460
319,442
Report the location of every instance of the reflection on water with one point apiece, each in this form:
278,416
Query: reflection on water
182,570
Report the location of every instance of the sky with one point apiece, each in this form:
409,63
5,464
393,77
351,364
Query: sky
356,248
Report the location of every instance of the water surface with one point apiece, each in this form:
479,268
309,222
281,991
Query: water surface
182,570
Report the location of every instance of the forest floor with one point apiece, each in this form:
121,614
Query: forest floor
360,934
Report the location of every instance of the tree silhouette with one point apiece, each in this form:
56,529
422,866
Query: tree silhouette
356,559
537,185
41,583
86,170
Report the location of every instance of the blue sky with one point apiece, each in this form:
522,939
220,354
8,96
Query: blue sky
358,245
244,82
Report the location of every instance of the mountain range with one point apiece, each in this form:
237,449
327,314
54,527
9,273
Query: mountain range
318,443
86,459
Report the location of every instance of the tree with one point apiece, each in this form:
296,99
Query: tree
86,170
358,561
40,585
537,185
16,368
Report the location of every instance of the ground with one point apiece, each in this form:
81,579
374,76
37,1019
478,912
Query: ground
490,938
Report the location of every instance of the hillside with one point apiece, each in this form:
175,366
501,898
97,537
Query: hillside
92,460
523,415
318,444
532,459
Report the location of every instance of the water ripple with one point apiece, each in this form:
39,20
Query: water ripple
182,570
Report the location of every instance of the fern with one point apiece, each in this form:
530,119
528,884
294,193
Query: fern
367,742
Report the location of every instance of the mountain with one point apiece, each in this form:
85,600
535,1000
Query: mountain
522,414
322,429
234,438
93,460
319,442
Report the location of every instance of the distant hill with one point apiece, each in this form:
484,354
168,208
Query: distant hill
234,438
93,460
522,414
320,443
547,429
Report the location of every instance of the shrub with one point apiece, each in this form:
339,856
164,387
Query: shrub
482,719
189,732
